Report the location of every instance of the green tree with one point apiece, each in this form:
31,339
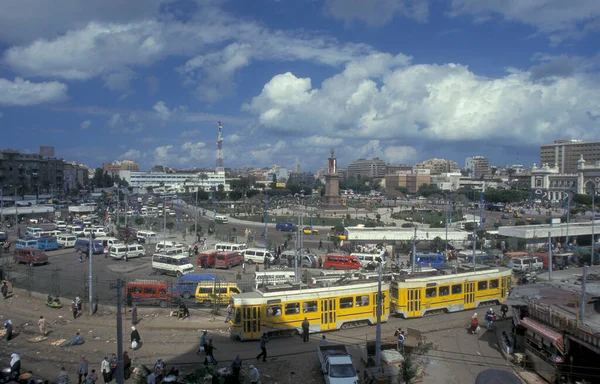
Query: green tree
274,182
139,221
403,190
427,190
235,195
170,225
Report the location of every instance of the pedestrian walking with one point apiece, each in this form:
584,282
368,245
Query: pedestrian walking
503,310
203,343
4,290
320,244
236,366
263,347
254,375
244,267
91,378
305,330
74,309
474,323
320,261
105,370
229,312
8,325
134,315
82,370
401,339
113,366
63,376
126,365
42,325
209,350
135,339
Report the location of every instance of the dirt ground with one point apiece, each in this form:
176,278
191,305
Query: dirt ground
163,336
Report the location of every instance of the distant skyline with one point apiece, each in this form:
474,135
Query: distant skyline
403,80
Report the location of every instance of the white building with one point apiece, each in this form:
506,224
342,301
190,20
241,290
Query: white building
447,181
176,181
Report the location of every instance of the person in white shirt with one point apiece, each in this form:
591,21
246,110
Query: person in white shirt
254,376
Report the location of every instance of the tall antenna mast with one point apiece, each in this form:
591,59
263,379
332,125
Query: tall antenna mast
220,167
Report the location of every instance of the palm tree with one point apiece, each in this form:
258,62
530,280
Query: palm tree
203,176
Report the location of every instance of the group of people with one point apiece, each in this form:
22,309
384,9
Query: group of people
207,348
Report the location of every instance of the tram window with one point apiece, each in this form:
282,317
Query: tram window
444,291
482,285
238,315
309,306
456,289
346,302
394,293
494,283
361,301
274,310
292,308
431,292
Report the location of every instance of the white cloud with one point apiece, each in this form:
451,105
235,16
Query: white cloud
164,113
430,102
132,154
557,18
319,141
377,12
131,123
190,133
113,50
85,124
400,154
115,120
25,93
189,154
25,20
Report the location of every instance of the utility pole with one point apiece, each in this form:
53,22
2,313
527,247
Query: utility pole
2,203
90,296
378,311
266,214
593,254
582,303
298,249
120,372
164,223
549,255
117,210
568,216
474,232
414,253
196,216
16,210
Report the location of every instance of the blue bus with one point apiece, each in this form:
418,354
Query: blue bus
434,260
186,285
47,243
286,226
83,245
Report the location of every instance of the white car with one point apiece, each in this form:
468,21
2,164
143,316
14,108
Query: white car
60,225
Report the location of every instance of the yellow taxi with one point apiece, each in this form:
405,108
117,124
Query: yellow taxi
307,231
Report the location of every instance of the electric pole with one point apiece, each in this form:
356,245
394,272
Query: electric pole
120,372
90,296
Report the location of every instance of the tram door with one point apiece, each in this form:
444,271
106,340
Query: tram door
414,303
469,295
251,322
328,316
504,287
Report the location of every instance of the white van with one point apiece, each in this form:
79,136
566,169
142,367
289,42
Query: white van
60,225
74,229
135,250
47,234
32,231
256,255
228,247
147,237
306,260
168,245
264,278
96,232
66,241
527,264
118,251
177,265
108,242
367,259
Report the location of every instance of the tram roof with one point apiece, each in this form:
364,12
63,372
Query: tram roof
383,234
462,274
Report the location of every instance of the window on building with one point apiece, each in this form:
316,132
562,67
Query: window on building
431,292
274,310
346,302
292,308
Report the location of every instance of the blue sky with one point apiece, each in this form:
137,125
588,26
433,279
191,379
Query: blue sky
404,80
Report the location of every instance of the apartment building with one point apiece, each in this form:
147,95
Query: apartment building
373,168
564,154
477,166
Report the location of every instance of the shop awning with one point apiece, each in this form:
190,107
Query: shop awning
537,327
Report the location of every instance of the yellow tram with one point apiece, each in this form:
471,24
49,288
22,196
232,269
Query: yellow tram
451,292
281,309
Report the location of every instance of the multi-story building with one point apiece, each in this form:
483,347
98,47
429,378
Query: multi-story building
374,168
302,178
204,180
438,166
398,168
564,154
410,181
116,166
33,173
477,166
